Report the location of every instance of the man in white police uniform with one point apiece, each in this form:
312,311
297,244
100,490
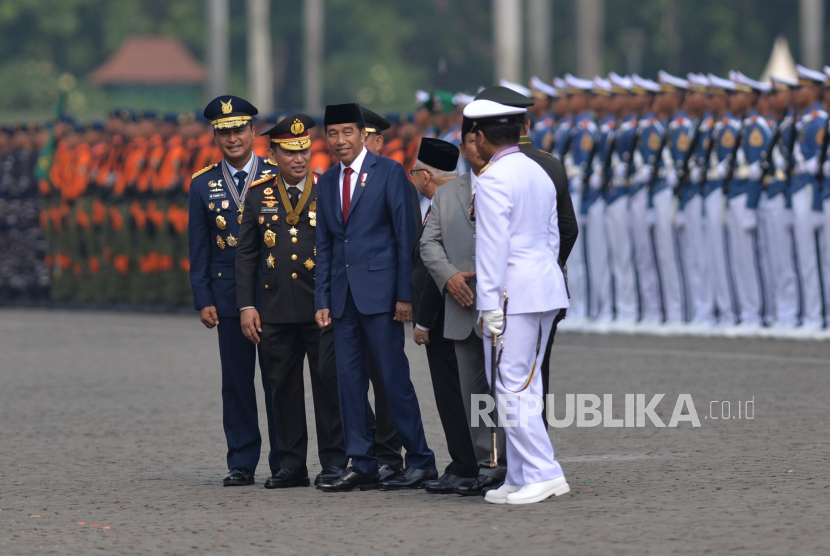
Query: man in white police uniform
517,250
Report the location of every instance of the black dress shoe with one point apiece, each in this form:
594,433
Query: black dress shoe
387,472
329,474
287,478
477,487
409,478
238,477
446,484
350,480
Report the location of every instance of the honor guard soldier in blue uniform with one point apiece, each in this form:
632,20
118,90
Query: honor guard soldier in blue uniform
617,225
217,195
278,240
542,125
805,189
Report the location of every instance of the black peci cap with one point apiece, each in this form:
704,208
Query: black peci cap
438,154
343,114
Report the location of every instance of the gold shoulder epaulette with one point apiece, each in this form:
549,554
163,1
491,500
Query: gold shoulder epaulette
485,168
261,180
203,170
271,162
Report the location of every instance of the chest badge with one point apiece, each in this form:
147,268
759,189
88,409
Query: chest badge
261,219
270,260
309,264
727,141
270,238
221,223
756,138
232,241
268,191
220,242
226,204
211,206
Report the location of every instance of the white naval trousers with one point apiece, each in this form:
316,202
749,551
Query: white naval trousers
698,286
622,263
716,261
741,223
596,247
529,449
577,271
666,253
804,228
775,245
650,307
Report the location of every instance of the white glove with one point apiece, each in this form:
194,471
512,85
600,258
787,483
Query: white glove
722,169
825,168
646,172
755,171
811,166
696,175
493,321
595,181
779,160
621,171
672,180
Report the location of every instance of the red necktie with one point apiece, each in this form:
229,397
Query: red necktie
347,192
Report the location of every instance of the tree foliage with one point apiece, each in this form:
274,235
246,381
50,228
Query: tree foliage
380,52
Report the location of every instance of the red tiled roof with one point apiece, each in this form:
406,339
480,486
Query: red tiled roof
150,60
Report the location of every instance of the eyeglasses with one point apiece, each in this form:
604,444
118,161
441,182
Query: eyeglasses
413,170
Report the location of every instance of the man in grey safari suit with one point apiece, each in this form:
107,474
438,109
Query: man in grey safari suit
448,247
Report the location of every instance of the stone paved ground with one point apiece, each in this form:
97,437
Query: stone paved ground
115,420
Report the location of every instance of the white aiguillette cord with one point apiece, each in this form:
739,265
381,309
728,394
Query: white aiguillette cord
239,199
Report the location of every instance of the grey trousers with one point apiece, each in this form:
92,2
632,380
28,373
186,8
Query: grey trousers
471,372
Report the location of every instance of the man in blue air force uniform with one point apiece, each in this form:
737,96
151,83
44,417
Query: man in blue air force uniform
217,196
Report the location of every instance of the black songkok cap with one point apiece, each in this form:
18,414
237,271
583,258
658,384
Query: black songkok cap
375,123
439,154
505,96
343,114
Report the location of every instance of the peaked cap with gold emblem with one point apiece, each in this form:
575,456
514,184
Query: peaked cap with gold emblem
291,133
229,112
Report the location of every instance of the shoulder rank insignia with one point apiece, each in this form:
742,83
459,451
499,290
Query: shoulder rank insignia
271,162
260,181
203,170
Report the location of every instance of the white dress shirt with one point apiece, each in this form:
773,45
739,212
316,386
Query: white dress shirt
355,166
247,168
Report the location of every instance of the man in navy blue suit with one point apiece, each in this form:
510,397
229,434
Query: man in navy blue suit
217,197
365,236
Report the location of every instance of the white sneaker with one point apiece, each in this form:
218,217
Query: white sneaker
499,495
536,492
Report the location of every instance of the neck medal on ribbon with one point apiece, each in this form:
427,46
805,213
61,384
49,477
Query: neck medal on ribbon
239,198
294,213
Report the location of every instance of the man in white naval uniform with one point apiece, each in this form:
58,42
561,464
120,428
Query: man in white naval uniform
517,252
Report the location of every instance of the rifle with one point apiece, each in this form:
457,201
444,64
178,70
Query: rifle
610,145
766,157
654,159
683,170
822,155
732,156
